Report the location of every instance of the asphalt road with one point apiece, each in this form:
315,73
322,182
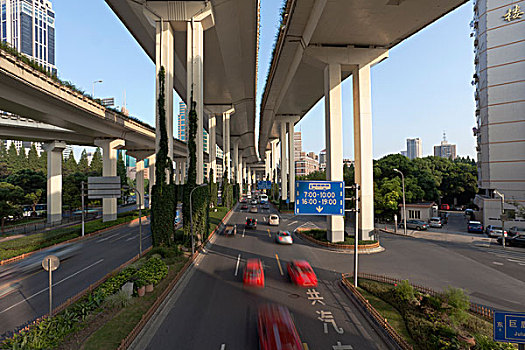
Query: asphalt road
210,308
96,257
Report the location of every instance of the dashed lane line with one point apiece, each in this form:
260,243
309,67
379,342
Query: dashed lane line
279,264
237,266
106,238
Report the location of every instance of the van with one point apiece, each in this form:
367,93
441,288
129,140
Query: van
263,198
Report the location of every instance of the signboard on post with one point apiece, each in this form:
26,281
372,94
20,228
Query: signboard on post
264,185
319,198
509,327
100,187
108,102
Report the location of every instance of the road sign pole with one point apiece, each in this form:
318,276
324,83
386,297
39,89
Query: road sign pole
140,222
82,195
356,237
50,288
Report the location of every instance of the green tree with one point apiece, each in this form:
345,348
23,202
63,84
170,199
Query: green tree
33,160
96,163
83,164
69,166
13,160
42,162
34,198
11,197
214,191
29,180
3,160
71,190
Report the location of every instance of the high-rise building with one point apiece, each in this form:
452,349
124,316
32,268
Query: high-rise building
29,27
322,160
414,148
182,122
67,152
306,164
499,78
297,144
445,150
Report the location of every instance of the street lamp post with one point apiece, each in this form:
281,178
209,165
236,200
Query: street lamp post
404,204
502,218
93,87
191,219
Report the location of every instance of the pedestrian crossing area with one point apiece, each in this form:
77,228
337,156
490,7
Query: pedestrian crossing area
508,255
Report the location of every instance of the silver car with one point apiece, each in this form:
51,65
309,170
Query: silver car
435,222
283,237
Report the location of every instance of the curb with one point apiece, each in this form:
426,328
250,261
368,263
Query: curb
130,338
25,255
364,248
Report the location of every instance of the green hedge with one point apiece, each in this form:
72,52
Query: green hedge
26,244
50,332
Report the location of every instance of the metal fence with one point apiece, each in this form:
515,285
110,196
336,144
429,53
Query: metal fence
41,225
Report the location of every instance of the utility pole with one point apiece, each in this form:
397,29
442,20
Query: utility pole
502,217
356,237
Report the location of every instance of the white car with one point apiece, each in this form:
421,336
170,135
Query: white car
435,222
273,220
283,237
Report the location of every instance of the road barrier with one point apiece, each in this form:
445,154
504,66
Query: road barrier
25,255
126,342
478,309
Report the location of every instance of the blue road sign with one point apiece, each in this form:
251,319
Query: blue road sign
264,185
509,327
319,198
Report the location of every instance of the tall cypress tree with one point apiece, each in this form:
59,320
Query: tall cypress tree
95,166
33,160
13,161
83,164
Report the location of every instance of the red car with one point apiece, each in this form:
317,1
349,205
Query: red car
445,207
302,274
253,273
276,329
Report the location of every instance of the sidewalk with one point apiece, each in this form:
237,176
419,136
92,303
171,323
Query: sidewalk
443,236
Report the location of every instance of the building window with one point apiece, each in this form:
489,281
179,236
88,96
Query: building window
414,214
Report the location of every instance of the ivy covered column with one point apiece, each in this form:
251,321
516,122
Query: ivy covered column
151,177
236,164
140,181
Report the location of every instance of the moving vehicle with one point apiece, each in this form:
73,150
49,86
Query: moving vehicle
273,220
469,212
253,202
251,223
301,273
517,240
475,226
515,230
254,209
276,329
415,224
283,237
435,222
244,207
253,273
263,198
244,200
445,207
230,231
494,231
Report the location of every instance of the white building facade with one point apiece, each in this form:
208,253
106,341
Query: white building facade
499,32
414,148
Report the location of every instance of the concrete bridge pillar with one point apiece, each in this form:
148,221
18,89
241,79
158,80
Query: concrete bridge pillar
226,141
164,57
291,158
109,168
284,165
274,159
212,149
140,182
151,175
334,141
54,180
363,148
267,164
236,163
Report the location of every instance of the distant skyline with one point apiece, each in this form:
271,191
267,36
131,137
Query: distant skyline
422,89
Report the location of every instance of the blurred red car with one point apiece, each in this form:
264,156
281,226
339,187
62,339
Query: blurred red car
253,273
276,329
302,274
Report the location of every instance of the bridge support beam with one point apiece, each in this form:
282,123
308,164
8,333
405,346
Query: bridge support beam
54,180
164,57
212,148
284,165
363,148
109,168
334,141
140,182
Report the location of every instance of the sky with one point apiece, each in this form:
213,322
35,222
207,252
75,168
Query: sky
422,90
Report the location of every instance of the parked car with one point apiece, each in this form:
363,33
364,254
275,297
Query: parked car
230,231
253,273
254,209
517,240
475,226
444,218
469,212
415,224
435,222
445,207
251,223
276,329
494,231
301,273
283,237
273,220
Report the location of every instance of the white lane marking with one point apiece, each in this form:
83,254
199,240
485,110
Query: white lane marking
264,218
243,232
237,266
516,261
497,263
106,238
292,223
223,346
54,284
